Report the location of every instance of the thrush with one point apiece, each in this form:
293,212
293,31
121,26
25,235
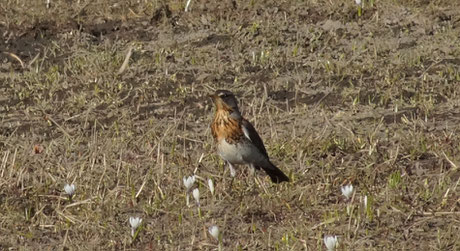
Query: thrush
237,140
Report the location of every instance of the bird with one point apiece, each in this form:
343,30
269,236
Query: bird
237,140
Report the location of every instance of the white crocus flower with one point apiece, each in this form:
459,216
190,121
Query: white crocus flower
211,186
214,232
196,195
358,2
188,182
135,222
347,191
69,190
330,242
365,202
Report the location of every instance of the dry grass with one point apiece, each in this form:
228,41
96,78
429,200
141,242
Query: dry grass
112,97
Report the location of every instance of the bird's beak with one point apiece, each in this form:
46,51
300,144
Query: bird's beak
213,97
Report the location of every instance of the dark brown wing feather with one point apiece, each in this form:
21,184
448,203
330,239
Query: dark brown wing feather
254,137
276,175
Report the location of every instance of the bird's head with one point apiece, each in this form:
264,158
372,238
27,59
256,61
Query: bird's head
225,100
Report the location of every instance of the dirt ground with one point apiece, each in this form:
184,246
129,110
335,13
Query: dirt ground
112,96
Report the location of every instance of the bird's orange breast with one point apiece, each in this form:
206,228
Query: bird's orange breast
225,127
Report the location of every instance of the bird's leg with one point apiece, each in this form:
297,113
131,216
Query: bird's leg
252,174
232,170
232,173
252,170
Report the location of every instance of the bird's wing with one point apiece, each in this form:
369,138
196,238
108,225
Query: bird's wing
251,134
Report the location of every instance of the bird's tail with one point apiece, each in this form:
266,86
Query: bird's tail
276,175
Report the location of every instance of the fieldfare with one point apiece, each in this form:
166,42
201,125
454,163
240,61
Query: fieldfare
237,140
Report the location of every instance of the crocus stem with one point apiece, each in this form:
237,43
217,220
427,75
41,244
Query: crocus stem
219,240
359,11
219,246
